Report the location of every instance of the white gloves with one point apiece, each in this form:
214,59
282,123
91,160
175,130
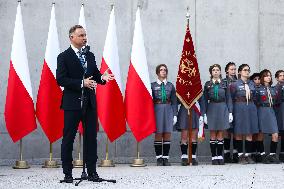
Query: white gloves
200,134
205,119
231,118
175,120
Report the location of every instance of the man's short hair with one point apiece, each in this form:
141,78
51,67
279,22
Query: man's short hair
73,29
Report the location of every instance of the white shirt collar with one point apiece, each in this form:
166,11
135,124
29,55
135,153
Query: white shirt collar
160,82
214,80
75,49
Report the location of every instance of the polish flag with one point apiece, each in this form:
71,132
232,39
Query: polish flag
109,97
19,107
139,105
82,22
48,111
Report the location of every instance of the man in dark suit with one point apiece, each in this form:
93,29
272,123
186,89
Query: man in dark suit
77,72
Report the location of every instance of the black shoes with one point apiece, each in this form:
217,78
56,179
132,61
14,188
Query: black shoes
221,162
215,162
94,177
163,162
184,161
235,158
281,157
250,160
194,162
160,161
227,158
68,179
166,162
271,159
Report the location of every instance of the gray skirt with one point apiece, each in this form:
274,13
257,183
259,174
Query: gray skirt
182,119
164,118
279,112
267,120
217,116
245,118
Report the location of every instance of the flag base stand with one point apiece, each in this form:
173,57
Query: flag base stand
50,164
107,163
138,163
78,163
21,165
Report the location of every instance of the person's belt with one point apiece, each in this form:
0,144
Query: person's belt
242,99
217,101
265,105
158,101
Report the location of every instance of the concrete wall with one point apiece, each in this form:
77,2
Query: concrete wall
223,30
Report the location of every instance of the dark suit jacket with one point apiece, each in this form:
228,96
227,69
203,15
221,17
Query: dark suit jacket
69,74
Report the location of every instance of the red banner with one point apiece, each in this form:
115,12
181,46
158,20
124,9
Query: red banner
188,84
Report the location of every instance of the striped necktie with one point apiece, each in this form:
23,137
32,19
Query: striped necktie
82,61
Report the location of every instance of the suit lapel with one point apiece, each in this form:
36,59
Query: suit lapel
75,58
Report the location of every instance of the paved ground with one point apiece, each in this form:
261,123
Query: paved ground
203,176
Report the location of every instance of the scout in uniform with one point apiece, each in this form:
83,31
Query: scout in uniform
257,139
218,108
231,77
182,125
265,100
165,105
245,113
279,109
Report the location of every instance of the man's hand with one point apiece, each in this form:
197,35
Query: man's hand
89,83
107,76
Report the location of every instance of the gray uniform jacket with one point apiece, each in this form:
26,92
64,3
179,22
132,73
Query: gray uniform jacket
218,107
164,111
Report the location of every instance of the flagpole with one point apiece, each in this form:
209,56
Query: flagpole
189,114
21,164
78,163
138,162
189,136
50,163
107,162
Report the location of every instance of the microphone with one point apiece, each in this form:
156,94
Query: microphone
85,49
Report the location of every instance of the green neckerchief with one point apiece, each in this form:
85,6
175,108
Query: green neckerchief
163,91
216,90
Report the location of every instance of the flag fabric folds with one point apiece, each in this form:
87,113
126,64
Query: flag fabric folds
19,108
188,84
49,114
109,97
139,106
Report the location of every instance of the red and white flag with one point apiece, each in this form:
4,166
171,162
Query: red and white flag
140,114
82,22
109,97
19,107
48,111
